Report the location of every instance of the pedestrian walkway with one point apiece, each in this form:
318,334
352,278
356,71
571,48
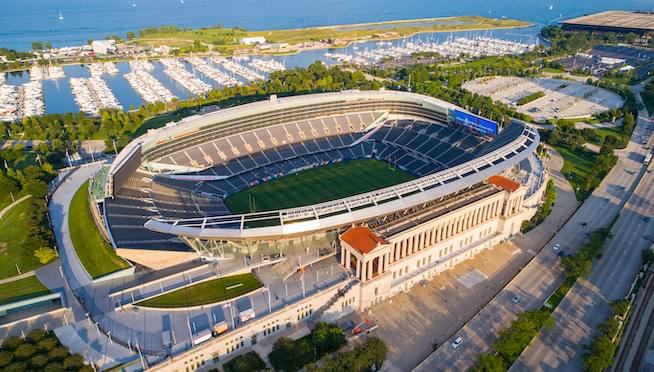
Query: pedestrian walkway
83,338
8,208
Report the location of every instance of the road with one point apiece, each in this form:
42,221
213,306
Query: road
587,304
539,279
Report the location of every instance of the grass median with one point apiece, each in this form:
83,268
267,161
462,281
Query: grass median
95,254
21,289
209,292
14,231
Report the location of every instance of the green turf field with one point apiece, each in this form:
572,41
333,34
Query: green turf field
209,292
317,185
97,256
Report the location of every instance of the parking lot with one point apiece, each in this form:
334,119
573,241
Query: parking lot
562,99
433,310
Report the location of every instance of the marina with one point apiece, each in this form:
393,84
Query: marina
17,102
176,70
103,68
38,73
479,46
149,88
93,94
212,70
237,69
267,65
212,73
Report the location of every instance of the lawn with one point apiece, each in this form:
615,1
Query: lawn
222,37
209,292
576,165
317,185
21,289
13,233
97,256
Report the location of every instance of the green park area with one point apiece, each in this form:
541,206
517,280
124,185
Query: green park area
21,289
95,254
336,181
229,38
14,232
204,293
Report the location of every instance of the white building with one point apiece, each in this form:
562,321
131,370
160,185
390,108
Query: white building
253,40
103,46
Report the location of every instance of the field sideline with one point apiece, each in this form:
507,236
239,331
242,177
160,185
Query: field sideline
317,185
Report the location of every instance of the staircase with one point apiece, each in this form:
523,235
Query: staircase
339,294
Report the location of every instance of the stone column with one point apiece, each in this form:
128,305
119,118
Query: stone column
348,259
359,269
369,269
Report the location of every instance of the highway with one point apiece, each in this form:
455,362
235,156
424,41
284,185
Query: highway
587,303
542,276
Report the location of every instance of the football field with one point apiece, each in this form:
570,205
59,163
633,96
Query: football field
317,185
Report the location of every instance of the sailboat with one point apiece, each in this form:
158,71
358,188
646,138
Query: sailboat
134,4
551,6
181,1
61,16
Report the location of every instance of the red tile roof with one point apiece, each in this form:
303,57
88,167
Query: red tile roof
505,183
362,239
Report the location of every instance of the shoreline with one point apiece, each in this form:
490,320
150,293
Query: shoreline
305,49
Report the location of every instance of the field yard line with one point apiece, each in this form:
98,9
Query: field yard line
7,208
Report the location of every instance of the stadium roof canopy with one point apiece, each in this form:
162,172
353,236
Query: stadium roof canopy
616,21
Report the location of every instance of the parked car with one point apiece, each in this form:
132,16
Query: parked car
457,342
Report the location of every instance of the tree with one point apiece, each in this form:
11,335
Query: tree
620,307
630,38
576,266
5,358
37,46
25,351
599,355
489,363
45,255
327,338
131,35
38,361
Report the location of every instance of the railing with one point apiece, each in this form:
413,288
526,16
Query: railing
528,138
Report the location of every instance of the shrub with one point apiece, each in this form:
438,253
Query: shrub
245,363
290,355
38,361
5,358
73,362
25,351
58,354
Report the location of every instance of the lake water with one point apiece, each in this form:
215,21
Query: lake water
22,22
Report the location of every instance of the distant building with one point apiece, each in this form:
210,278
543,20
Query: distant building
253,40
103,46
613,21
612,61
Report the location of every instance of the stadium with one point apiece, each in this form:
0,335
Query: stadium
351,197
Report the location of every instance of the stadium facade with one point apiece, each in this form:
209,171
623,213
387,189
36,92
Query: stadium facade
474,185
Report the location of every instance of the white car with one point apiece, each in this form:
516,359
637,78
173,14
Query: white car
515,299
457,342
556,246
